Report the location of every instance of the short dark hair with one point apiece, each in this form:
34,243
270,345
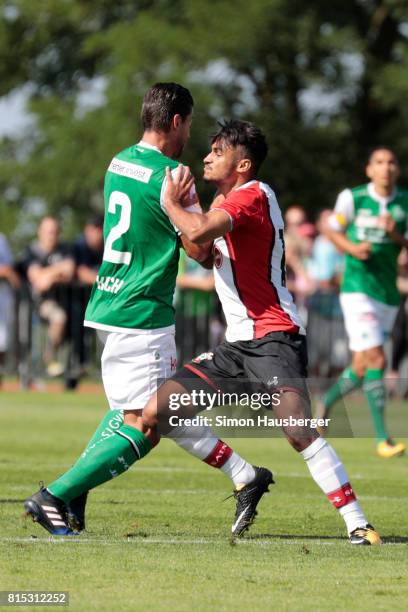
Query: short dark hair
243,134
95,220
380,148
161,102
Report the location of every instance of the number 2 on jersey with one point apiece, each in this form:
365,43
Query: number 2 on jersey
118,198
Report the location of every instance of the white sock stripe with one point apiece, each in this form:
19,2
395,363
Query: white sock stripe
129,439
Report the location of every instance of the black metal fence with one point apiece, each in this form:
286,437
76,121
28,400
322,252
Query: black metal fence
79,351
197,331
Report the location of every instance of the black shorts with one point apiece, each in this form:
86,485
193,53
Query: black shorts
275,363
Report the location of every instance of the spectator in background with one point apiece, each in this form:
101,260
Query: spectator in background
88,250
328,351
49,263
326,264
9,280
295,216
299,235
88,255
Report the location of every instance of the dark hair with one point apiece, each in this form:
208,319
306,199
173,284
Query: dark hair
380,148
246,135
161,102
95,220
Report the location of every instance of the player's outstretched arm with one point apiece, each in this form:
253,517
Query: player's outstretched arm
198,228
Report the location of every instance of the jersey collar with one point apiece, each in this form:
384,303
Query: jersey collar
245,185
146,145
375,196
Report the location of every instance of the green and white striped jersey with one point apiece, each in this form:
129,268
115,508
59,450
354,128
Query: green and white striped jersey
358,211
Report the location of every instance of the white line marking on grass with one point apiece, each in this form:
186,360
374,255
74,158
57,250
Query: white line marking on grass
130,495
293,541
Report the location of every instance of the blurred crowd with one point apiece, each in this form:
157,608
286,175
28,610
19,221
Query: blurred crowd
313,264
42,272
314,271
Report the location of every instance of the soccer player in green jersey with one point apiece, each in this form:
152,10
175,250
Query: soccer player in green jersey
369,225
131,309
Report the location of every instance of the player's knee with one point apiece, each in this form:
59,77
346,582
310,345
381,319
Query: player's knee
359,364
150,416
133,418
375,359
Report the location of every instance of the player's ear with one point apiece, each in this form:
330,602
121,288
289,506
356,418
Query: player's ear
369,171
244,165
177,121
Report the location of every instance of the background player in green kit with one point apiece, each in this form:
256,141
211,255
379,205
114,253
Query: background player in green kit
131,309
369,224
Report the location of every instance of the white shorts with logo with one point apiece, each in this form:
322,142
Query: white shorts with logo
367,321
133,365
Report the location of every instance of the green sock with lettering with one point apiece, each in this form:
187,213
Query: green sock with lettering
101,462
111,421
374,389
347,382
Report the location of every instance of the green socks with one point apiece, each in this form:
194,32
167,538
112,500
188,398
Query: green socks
100,462
374,389
347,382
111,422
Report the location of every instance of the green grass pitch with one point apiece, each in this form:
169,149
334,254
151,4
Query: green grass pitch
158,536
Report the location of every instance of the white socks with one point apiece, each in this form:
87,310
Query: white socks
329,473
240,471
201,442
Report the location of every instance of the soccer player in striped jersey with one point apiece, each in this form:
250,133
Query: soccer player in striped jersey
370,225
265,341
131,309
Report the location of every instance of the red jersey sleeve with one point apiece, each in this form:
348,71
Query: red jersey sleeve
241,205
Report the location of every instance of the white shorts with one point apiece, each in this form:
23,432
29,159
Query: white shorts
367,321
133,365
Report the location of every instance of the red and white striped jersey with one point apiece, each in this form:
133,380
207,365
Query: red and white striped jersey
249,266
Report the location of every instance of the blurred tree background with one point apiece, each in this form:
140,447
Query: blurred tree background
325,80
